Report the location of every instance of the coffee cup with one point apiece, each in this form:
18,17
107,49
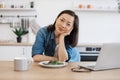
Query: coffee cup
22,63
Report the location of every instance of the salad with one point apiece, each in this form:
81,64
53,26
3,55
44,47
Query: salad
54,63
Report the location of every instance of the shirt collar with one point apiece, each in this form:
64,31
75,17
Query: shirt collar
52,35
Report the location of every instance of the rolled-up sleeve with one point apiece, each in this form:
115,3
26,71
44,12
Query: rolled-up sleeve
38,46
74,54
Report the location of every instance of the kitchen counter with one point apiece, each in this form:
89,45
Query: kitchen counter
15,44
90,44
30,44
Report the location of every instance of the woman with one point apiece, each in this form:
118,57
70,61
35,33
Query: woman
58,41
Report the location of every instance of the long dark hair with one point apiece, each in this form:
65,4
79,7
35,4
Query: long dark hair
71,39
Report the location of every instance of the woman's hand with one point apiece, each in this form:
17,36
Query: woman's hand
66,32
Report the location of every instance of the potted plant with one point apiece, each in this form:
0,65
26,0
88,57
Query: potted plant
20,31
31,4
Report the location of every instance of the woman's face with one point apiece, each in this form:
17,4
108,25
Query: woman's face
64,23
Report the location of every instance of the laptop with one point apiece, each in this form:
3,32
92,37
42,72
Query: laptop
108,57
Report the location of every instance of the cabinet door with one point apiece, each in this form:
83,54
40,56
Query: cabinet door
8,53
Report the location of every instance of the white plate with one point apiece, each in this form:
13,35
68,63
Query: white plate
43,64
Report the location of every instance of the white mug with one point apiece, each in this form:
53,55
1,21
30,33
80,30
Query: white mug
22,63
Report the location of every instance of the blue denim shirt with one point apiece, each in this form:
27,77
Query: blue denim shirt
45,44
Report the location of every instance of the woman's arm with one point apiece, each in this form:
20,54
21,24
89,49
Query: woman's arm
38,58
62,53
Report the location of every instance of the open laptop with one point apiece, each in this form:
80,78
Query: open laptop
108,58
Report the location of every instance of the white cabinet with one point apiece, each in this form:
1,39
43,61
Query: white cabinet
8,53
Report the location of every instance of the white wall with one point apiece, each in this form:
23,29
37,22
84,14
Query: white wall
95,26
47,10
6,33
99,27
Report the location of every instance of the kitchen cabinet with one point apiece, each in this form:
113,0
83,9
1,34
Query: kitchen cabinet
8,53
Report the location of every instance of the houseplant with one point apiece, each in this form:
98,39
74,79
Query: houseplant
31,4
20,31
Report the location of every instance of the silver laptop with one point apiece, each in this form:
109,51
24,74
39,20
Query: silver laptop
108,58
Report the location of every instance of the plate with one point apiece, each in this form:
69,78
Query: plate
44,64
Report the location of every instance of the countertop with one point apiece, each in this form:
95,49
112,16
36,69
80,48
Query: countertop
15,44
30,44
89,44
37,72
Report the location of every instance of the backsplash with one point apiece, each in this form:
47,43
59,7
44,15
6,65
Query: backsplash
7,35
102,17
15,14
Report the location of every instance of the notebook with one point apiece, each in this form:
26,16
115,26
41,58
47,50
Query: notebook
108,57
